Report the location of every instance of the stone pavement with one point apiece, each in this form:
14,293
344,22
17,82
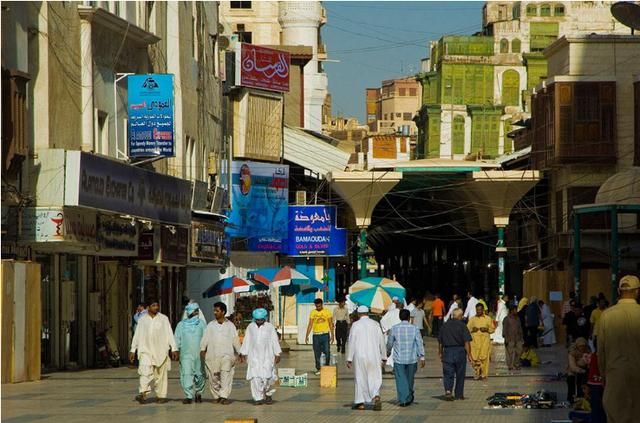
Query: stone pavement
103,395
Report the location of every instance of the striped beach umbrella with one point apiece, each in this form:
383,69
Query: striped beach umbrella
375,293
227,286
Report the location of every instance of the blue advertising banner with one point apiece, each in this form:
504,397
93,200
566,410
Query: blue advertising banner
259,204
150,106
312,232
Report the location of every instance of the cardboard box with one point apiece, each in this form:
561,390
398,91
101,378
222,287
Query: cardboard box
328,376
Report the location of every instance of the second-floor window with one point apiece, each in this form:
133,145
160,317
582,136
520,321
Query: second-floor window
244,36
241,5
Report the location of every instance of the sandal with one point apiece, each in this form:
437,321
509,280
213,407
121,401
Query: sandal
377,404
357,406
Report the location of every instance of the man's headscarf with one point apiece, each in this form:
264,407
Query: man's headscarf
259,314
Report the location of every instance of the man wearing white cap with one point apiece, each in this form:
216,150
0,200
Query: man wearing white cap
619,353
394,303
366,352
262,349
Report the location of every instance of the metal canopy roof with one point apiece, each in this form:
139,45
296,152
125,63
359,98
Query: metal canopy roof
312,152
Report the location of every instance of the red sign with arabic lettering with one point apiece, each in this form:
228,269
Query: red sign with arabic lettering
264,68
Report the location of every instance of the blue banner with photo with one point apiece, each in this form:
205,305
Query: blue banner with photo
312,232
259,204
150,107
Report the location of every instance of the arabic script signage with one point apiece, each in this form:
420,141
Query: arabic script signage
312,232
150,106
262,67
117,236
100,183
43,224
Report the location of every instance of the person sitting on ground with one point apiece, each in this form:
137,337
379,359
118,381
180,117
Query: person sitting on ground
529,357
578,363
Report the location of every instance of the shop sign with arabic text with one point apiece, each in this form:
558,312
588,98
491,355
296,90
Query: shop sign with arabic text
263,68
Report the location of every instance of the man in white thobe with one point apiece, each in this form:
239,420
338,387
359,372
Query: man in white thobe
218,347
366,353
262,350
389,320
454,305
472,302
152,340
501,313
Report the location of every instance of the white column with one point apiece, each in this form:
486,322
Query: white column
86,90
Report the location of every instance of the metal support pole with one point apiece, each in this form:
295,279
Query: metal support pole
501,250
362,249
577,268
614,254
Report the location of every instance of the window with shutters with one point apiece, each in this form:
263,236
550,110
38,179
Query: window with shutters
558,10
543,34
545,10
515,46
433,140
413,92
511,88
458,135
406,116
504,46
403,92
532,10
636,119
240,5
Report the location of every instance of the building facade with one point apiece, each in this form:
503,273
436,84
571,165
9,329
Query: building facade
392,107
584,137
478,86
295,23
107,229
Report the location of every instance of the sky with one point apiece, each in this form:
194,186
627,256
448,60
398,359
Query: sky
378,40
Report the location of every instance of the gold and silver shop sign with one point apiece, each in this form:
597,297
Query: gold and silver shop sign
117,236
208,243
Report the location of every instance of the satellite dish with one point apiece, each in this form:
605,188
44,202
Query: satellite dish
223,42
627,13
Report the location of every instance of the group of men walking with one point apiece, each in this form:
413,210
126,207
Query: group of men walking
394,341
217,343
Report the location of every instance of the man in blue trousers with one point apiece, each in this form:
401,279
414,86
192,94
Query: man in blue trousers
405,343
454,350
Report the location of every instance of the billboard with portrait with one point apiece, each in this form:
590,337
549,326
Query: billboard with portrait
259,201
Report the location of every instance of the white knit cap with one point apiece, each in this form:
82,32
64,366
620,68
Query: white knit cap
363,309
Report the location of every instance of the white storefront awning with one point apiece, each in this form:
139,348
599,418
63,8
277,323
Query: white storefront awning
312,152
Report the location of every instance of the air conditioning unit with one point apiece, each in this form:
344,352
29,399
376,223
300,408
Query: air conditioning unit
301,198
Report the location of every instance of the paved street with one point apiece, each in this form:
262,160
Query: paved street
107,395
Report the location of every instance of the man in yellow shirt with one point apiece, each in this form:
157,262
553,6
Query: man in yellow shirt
321,322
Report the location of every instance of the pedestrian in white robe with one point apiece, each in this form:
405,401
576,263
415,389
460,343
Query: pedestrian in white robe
389,320
218,347
454,305
262,350
549,334
366,353
472,302
501,313
152,340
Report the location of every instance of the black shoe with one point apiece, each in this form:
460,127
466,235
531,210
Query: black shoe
403,404
163,400
141,398
186,401
448,396
268,399
258,403
198,398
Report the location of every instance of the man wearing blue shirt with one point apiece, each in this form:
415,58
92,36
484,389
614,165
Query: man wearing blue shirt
405,343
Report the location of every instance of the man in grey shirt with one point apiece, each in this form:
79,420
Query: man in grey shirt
418,318
454,349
